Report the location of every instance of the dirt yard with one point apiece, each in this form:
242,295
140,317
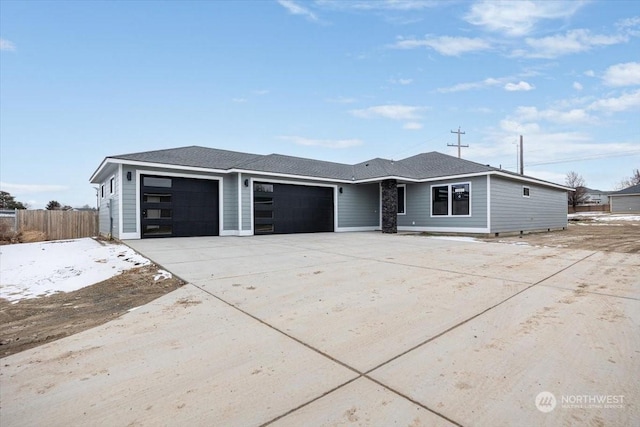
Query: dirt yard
588,233
33,322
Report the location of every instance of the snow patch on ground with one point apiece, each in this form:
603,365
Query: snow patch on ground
603,216
31,270
162,274
456,238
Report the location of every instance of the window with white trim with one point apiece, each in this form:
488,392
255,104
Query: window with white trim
451,199
402,199
526,191
112,185
102,191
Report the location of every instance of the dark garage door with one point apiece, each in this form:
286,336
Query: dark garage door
285,208
178,207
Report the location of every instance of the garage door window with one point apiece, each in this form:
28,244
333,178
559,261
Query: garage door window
154,181
156,198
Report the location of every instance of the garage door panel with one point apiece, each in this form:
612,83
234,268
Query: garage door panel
287,208
179,207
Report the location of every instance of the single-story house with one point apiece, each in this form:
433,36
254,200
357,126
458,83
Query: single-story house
626,200
197,191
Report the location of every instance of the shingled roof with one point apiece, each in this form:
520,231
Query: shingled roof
634,189
419,167
422,166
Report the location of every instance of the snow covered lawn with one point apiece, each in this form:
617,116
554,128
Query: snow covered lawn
30,270
606,217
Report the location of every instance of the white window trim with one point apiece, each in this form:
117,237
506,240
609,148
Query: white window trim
112,185
528,188
450,200
405,199
102,193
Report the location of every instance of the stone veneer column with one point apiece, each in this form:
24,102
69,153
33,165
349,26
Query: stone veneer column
389,206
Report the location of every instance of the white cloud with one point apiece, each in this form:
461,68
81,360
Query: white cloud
488,82
518,18
626,74
261,92
577,86
296,9
521,86
31,188
445,45
573,41
6,45
412,126
326,143
590,73
532,114
625,102
239,100
393,112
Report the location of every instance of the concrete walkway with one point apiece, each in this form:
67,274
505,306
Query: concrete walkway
351,329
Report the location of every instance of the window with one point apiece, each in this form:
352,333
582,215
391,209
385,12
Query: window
451,200
440,196
157,213
157,230
402,206
525,191
156,198
112,185
152,181
460,199
102,191
263,188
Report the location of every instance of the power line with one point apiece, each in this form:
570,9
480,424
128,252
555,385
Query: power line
591,157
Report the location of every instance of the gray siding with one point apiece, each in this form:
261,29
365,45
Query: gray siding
625,204
359,205
418,206
129,201
107,213
230,201
545,208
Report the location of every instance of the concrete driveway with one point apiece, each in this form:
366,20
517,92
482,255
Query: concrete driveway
351,329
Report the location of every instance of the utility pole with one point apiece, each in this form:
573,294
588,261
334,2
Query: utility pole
521,156
458,145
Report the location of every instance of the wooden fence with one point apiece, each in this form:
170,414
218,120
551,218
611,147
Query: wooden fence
58,225
589,208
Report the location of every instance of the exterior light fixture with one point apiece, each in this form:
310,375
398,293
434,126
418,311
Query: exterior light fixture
129,176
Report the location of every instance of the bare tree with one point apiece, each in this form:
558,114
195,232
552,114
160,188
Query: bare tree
630,181
574,180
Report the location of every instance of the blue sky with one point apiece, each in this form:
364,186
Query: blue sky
342,81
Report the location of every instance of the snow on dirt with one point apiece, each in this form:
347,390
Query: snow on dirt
601,216
31,270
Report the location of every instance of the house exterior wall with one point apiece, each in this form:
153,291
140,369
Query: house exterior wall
545,208
418,208
359,206
625,204
109,203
